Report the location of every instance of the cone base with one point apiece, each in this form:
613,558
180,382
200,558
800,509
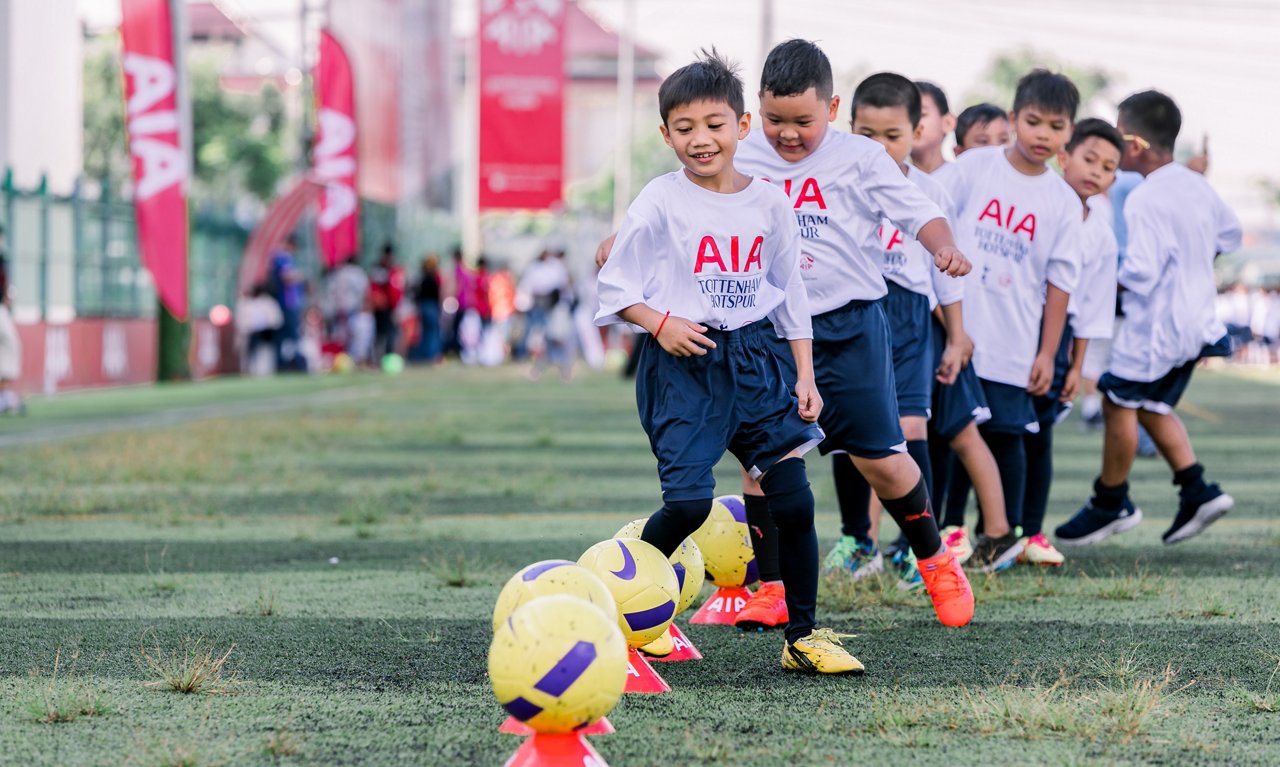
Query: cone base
722,607
684,648
640,675
548,750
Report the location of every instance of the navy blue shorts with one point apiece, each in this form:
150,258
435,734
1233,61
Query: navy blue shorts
1161,395
1049,410
955,405
853,368
1012,411
736,397
908,315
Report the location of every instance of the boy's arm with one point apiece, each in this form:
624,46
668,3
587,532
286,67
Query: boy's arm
1055,320
892,196
936,237
675,335
1229,231
1072,382
806,390
959,348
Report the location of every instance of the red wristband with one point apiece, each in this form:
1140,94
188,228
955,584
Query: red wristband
660,324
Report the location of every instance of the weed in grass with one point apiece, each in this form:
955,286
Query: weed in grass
454,573
1129,588
1121,669
193,668
162,582
838,591
264,605
1265,702
281,742
64,699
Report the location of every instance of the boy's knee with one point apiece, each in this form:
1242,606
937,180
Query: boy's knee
786,485
688,513
914,427
892,476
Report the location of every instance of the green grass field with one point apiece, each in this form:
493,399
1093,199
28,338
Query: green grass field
344,540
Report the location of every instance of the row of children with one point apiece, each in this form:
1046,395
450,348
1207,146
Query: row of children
758,273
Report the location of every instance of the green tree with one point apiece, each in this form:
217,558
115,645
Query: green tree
1000,79
106,155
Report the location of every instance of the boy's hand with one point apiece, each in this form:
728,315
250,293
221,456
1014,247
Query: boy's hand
949,259
955,356
602,250
1041,375
683,338
810,401
1070,385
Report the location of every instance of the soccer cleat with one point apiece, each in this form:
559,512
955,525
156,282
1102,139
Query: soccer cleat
766,610
1092,525
904,562
993,555
820,653
1037,550
868,562
840,557
957,539
660,647
948,588
1193,517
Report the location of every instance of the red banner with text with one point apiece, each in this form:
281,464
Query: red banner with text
160,165
521,103
335,153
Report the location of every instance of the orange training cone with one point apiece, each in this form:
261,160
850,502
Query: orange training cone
684,648
514,726
640,675
723,606
556,750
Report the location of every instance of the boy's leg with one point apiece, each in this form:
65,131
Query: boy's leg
975,457
940,456
856,551
958,487
1199,503
767,608
1039,451
1109,511
790,500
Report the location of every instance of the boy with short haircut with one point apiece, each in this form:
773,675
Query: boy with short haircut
1088,161
1176,225
1020,222
886,108
936,122
703,256
981,125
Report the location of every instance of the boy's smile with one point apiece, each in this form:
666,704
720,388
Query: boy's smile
705,135
796,124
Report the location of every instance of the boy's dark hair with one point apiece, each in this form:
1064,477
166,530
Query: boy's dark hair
977,116
1050,91
1153,116
794,67
927,88
886,89
1094,127
710,78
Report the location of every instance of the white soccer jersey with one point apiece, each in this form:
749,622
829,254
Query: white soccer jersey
1093,303
1177,225
908,263
722,260
1021,232
840,193
944,173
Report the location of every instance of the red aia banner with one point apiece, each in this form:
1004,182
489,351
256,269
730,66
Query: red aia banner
159,164
521,103
335,153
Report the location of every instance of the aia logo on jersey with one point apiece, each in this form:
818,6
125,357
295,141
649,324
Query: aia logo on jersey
709,252
808,191
806,262
1005,218
894,241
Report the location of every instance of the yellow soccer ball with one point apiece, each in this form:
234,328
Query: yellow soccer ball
686,561
543,579
642,582
558,663
725,541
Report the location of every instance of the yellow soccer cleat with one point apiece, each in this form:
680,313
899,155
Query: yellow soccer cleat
660,647
820,653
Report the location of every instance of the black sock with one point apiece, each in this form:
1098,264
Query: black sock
1011,459
1039,448
854,496
913,515
1109,497
764,537
958,496
791,504
675,521
918,449
940,457
1190,481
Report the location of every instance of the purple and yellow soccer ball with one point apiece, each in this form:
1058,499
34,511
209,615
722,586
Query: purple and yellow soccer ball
642,582
549,578
725,541
558,663
686,561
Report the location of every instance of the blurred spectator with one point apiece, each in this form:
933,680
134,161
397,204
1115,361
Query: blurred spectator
386,288
258,318
543,282
460,298
426,295
10,344
286,285
347,288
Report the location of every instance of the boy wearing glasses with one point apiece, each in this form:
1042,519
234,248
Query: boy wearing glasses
1177,225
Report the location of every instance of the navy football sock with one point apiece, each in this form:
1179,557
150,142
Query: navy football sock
764,537
1039,448
958,488
1011,459
1190,481
791,504
675,521
918,449
854,495
940,459
1109,497
913,515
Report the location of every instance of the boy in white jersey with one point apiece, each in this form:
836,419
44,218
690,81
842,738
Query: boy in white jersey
886,109
703,256
1020,223
1088,163
936,121
1176,225
981,125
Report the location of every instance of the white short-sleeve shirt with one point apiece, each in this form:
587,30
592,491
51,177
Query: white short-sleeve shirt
721,260
1093,303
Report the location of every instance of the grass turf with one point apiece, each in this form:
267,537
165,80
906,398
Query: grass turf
345,539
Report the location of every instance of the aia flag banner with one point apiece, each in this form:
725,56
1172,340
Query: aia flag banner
335,153
160,165
521,103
